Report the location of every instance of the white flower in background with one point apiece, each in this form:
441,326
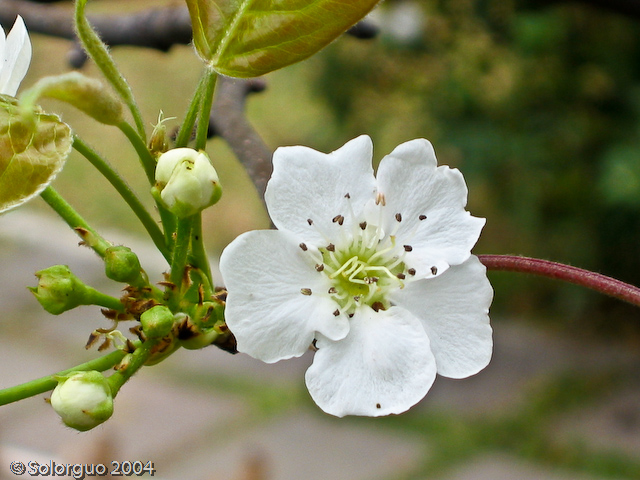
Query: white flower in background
15,57
376,271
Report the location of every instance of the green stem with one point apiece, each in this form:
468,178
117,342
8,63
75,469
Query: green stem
95,297
186,129
149,164
44,384
146,157
198,252
181,250
209,79
126,193
74,220
134,362
98,51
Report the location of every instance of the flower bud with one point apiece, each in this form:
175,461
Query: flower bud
121,264
83,400
60,290
157,321
186,181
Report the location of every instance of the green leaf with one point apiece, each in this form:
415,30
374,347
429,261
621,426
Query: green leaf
248,38
33,148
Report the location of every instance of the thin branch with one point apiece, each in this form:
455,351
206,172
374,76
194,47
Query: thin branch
585,278
229,121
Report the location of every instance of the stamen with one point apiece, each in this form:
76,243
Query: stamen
422,217
305,291
377,306
319,267
309,221
363,225
339,219
331,247
380,200
336,312
398,217
347,195
303,247
411,271
332,290
407,248
401,276
434,270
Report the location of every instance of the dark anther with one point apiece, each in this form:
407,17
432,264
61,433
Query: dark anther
363,225
336,312
309,221
434,270
377,306
398,217
339,219
303,247
320,267
422,217
411,271
305,291
331,247
408,248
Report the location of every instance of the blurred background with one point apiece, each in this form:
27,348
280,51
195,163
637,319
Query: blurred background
538,104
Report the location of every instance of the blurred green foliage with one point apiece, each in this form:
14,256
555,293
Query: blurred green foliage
540,109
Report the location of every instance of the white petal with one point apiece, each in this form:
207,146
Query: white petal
413,185
307,184
3,47
383,366
17,58
454,309
264,272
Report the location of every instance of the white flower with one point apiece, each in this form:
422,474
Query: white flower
15,56
377,271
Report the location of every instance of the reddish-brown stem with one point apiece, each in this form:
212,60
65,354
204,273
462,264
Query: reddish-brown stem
595,281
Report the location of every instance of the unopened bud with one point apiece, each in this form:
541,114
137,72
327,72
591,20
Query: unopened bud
186,181
60,290
157,321
84,93
83,400
121,264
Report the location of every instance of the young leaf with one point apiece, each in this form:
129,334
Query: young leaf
33,148
248,38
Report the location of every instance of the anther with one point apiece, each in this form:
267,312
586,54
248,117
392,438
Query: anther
332,290
351,315
401,276
407,248
434,270
309,221
319,267
398,217
422,217
377,306
331,247
305,291
370,280
411,271
339,219
346,195
303,247
336,312
380,200
363,225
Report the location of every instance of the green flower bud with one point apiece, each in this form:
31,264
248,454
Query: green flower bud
186,181
121,264
60,290
83,400
157,322
86,94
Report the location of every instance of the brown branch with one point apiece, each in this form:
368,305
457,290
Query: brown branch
157,28
228,120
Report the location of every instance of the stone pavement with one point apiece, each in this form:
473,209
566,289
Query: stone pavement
207,415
